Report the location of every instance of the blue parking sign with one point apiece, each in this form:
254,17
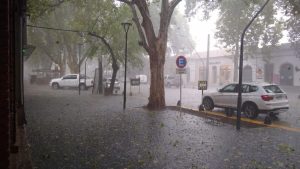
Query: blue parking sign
181,62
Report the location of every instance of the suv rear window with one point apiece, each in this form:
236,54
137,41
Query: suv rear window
272,89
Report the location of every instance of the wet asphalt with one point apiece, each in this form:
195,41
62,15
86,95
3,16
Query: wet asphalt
68,131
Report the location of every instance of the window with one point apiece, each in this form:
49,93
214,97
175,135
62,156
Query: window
70,77
229,88
272,89
253,88
83,77
245,88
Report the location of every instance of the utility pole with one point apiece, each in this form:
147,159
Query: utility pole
207,59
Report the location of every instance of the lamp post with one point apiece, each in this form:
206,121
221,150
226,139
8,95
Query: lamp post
79,57
239,100
126,26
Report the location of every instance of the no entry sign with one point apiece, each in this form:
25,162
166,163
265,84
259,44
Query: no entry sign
181,61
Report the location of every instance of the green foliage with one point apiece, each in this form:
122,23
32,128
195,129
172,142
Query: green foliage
179,37
236,14
38,8
102,17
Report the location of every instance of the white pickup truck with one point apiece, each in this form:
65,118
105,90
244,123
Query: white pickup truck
71,80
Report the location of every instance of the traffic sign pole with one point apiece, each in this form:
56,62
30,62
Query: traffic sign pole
181,63
180,91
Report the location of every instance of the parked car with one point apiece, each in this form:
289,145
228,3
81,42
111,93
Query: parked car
107,81
256,98
171,80
71,80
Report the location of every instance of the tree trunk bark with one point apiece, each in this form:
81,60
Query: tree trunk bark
157,89
74,68
62,69
115,68
100,80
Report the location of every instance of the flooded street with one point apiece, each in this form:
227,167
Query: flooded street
66,130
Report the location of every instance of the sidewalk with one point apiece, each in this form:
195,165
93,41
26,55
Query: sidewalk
92,131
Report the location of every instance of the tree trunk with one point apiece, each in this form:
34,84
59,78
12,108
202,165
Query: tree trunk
74,68
62,69
157,89
115,68
100,72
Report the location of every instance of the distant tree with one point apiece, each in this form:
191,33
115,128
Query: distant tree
234,16
291,10
102,20
101,17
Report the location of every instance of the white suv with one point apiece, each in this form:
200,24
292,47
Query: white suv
72,80
256,98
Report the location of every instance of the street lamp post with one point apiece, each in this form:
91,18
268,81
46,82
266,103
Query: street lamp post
79,57
126,26
239,100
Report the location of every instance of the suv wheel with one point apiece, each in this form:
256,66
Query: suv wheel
208,103
55,86
250,110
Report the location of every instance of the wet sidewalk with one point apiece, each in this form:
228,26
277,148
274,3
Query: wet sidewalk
92,131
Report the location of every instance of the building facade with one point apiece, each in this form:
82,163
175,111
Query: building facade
281,66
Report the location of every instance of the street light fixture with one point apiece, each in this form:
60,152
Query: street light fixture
126,26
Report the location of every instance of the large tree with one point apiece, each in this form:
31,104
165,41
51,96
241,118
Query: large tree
155,43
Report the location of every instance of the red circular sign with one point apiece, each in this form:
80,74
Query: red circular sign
181,62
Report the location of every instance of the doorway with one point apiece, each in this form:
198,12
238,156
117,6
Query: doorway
286,74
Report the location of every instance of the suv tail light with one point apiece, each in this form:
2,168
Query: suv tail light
266,97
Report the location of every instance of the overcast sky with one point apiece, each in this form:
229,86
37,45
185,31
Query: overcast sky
200,30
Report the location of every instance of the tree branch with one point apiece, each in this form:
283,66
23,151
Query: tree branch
146,23
173,5
139,28
106,44
167,9
125,1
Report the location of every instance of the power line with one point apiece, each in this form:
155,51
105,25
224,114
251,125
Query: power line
57,29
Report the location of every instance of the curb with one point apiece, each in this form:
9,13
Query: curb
245,122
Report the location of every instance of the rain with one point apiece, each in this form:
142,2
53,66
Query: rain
121,84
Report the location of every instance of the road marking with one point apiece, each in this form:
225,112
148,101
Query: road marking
220,114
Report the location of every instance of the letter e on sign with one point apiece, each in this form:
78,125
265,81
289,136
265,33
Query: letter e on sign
181,62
